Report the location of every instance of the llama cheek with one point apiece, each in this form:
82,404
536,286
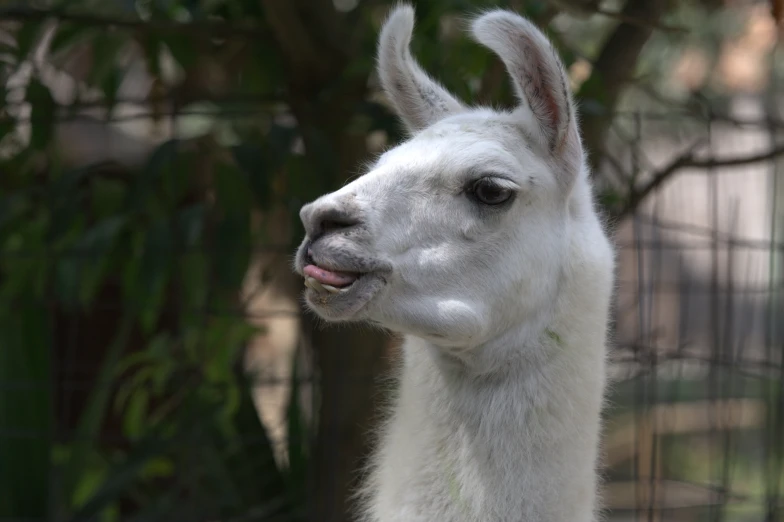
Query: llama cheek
464,322
445,322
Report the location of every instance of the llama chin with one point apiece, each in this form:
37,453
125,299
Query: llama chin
342,278
478,239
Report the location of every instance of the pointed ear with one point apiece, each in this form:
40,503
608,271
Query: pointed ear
537,74
418,99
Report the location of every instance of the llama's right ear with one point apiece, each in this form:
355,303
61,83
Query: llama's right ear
537,75
418,99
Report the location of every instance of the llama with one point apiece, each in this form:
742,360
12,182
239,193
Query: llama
478,240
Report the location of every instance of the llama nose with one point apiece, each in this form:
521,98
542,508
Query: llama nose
321,218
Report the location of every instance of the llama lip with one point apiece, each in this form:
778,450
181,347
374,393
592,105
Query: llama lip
341,277
326,280
331,278
313,284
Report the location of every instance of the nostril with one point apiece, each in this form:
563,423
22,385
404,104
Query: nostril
330,225
325,217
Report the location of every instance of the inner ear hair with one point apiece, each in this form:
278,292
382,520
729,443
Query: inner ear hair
419,100
537,74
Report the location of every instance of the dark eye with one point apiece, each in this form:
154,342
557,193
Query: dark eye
489,192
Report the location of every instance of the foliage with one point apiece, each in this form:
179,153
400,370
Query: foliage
173,237
168,429
186,418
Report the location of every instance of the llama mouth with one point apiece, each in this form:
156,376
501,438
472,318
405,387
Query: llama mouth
340,279
323,280
326,280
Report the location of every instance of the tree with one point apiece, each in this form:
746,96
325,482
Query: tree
250,109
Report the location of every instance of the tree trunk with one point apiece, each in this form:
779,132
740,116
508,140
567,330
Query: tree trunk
323,97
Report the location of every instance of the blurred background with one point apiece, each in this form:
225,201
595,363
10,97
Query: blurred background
155,360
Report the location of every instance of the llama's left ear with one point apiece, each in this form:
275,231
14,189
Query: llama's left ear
418,99
537,74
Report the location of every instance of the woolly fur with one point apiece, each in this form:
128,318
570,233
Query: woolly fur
504,308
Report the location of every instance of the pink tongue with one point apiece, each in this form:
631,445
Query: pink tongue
325,277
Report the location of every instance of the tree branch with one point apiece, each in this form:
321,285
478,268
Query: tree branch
614,67
312,51
689,160
646,24
197,28
317,45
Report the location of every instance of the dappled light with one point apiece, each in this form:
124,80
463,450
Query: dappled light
161,358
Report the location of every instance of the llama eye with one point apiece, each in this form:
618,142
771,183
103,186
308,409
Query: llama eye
488,192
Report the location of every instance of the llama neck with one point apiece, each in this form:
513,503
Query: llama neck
515,445
517,440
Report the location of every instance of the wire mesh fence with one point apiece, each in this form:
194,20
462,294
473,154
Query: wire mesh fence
137,292
695,417
694,424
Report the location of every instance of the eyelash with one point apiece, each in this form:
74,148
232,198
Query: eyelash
491,183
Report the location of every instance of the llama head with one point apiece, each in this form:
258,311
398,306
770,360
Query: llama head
462,231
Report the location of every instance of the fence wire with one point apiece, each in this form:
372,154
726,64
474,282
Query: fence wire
694,426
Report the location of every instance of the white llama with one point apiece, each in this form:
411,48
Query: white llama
478,240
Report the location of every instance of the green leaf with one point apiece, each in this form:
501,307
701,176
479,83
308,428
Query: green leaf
88,428
146,183
120,478
90,479
158,468
67,210
184,51
8,125
67,36
110,84
190,225
98,239
223,342
251,160
154,272
80,272
26,38
12,207
107,46
26,270
151,44
298,440
304,184
251,459
107,196
193,271
232,251
42,116
95,247
130,280
25,406
67,278
136,413
133,361
231,187
164,155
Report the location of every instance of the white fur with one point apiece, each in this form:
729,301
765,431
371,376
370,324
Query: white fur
504,311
